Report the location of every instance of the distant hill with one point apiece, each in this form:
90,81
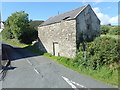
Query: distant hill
35,24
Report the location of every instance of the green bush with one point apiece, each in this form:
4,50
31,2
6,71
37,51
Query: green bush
114,30
102,51
104,29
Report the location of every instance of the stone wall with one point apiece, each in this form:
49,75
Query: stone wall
64,33
88,25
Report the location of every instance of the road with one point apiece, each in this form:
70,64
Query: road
32,71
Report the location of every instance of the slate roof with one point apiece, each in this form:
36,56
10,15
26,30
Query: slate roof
65,16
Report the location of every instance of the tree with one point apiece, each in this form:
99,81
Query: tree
7,33
18,23
17,26
109,24
29,35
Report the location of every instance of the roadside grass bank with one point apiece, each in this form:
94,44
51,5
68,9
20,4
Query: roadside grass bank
30,47
15,42
104,74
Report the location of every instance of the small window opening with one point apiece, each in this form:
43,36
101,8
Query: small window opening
66,18
88,26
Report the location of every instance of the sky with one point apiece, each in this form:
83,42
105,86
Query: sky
107,12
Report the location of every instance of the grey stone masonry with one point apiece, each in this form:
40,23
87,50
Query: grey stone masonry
64,33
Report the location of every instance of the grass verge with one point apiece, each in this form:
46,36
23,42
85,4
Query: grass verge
104,74
15,42
30,47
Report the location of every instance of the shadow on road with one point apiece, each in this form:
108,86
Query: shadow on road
4,72
11,53
9,68
15,53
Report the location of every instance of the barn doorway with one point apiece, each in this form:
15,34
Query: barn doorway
55,48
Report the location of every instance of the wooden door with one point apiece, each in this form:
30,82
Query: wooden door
56,48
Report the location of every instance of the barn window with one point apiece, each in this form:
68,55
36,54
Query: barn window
66,18
88,26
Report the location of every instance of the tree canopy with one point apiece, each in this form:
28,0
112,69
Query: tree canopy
17,26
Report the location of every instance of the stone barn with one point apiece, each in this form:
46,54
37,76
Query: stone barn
61,35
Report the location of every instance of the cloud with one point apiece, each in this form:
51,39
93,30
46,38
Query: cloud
104,18
114,20
96,10
108,7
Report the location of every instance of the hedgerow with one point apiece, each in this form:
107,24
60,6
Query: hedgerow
102,51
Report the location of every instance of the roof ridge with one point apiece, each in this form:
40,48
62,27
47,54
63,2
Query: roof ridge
69,11
82,9
72,13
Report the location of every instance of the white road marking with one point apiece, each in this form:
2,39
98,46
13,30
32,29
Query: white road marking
34,68
78,84
72,84
36,71
29,62
67,80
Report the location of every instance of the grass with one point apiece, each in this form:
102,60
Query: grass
112,36
16,43
104,74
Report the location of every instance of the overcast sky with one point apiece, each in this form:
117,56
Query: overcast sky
107,12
